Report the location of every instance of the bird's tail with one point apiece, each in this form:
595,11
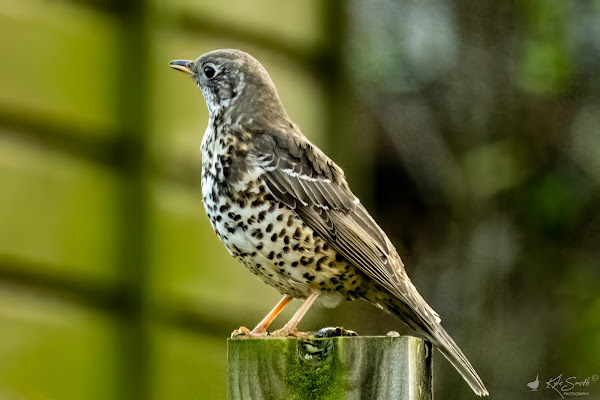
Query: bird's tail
427,324
450,350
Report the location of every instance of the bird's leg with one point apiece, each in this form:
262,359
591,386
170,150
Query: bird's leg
261,329
264,324
291,328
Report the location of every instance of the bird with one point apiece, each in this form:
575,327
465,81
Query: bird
534,385
284,209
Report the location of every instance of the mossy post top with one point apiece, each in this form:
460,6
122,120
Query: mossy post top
369,367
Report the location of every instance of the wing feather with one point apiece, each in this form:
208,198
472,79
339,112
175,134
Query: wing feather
330,208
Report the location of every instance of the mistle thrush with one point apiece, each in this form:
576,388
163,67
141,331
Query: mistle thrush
284,209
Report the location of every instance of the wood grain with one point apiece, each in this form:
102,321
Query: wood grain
378,367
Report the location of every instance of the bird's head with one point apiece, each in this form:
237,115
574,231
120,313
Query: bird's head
234,84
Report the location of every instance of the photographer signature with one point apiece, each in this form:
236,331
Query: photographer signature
567,385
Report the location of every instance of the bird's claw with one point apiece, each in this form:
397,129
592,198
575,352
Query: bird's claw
245,333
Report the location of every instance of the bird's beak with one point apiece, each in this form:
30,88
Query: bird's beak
182,65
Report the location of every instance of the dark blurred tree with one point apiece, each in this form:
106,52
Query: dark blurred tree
484,130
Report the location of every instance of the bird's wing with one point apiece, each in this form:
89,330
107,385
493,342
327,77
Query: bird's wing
300,175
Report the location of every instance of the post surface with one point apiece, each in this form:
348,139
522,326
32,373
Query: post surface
376,367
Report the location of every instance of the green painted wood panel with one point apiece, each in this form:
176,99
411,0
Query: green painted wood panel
299,24
59,64
187,365
59,214
51,348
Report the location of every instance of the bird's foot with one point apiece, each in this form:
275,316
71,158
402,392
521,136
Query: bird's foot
245,333
287,332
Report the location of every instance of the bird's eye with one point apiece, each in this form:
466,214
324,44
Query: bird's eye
209,71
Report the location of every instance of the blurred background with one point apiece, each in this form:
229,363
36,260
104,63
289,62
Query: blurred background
471,130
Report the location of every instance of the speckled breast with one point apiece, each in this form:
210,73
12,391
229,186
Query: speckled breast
268,237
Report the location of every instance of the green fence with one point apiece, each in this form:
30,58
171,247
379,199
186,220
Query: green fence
112,284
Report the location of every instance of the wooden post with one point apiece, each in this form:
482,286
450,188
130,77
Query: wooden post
377,367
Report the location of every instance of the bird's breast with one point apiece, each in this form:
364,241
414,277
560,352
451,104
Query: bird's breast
267,236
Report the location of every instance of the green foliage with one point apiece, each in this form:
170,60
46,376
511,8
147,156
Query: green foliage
544,63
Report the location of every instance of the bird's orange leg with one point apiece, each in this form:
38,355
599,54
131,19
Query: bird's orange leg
260,330
291,328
